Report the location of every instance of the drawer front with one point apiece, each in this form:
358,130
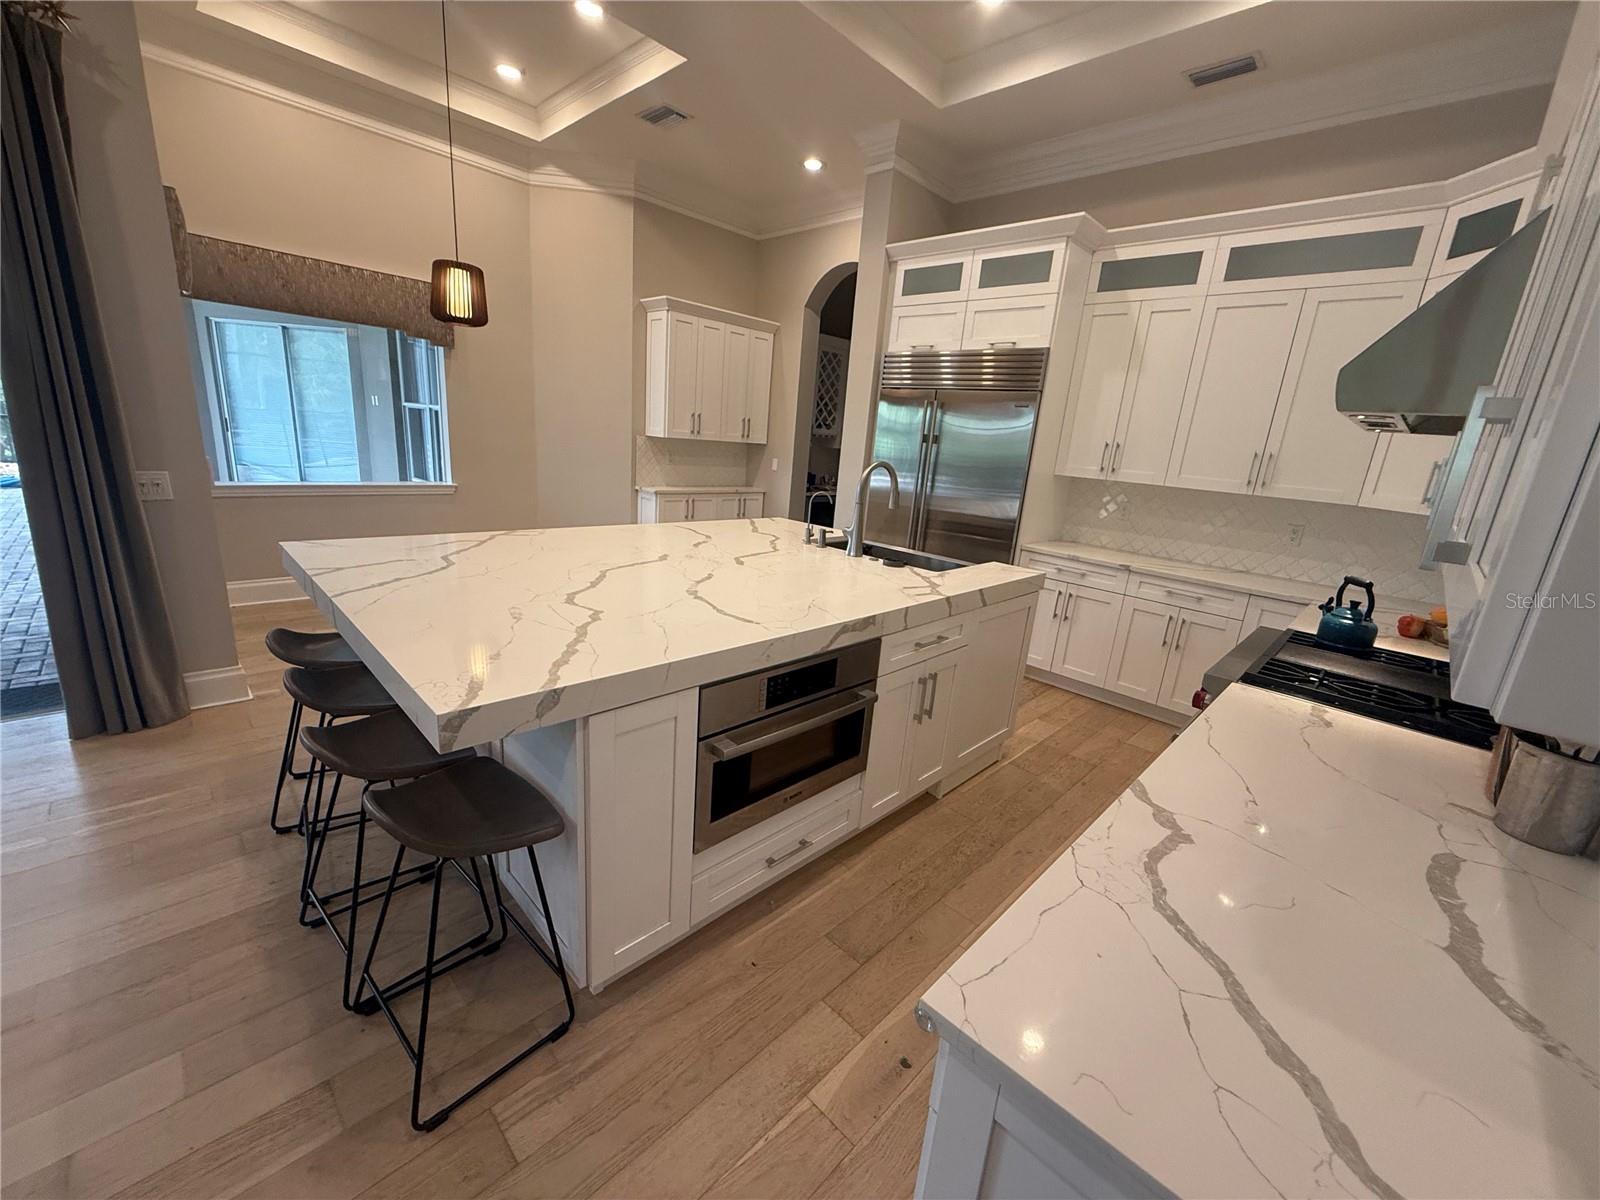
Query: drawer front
1198,597
1104,576
922,643
768,860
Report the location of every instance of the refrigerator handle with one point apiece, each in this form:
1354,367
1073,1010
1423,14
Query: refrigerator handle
925,468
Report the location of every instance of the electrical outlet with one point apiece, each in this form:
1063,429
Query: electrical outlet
154,485
1297,532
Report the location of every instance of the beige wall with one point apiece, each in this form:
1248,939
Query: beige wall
789,269
1414,147
125,230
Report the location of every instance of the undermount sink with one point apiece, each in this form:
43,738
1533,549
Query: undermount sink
897,556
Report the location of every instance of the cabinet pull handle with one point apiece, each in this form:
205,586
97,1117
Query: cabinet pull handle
1427,488
933,694
1067,616
1185,595
1250,481
1266,469
1104,451
774,859
1487,410
922,345
922,699
996,345
1056,611
1116,458
1167,632
1177,642
943,637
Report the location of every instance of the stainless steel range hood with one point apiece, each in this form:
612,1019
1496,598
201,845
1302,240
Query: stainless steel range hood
1420,377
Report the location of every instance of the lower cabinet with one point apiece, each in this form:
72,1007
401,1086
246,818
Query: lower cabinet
660,508
982,697
1162,651
1264,612
1073,632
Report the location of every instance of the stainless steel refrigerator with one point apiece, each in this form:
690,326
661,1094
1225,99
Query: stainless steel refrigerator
958,429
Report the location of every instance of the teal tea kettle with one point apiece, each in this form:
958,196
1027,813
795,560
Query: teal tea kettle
1346,626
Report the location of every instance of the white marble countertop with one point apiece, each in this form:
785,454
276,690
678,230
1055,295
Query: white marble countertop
704,489
479,635
1296,958
1166,568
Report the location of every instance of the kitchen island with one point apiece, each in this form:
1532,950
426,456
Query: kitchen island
576,656
1295,958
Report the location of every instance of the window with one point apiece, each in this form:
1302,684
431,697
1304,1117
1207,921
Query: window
299,400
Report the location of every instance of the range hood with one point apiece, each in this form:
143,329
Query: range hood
1420,377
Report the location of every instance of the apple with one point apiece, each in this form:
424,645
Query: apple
1411,626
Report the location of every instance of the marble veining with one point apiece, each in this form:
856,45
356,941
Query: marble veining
479,635
1296,958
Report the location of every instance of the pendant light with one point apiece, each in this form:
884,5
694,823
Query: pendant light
458,295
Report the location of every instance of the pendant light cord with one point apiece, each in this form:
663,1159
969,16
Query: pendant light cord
449,127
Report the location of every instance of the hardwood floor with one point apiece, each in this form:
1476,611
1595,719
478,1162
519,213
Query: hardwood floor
170,1030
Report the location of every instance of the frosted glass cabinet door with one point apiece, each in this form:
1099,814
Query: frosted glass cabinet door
1163,348
1099,374
1314,451
932,279
1233,386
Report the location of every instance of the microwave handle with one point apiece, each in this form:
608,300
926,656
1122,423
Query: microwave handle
724,748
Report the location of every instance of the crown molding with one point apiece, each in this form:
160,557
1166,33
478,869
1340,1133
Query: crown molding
1461,69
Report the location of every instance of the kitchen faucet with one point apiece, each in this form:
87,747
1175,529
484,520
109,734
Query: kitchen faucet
856,533
811,508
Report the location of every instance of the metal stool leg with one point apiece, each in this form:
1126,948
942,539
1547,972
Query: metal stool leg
286,766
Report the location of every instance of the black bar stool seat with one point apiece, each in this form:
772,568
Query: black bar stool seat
313,651
338,691
468,810
383,747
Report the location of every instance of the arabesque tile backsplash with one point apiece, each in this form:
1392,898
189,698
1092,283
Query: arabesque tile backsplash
1251,533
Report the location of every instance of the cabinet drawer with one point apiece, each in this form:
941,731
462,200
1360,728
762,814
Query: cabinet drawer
1199,597
922,643
1104,576
769,859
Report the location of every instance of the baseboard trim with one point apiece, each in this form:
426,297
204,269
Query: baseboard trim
222,685
1116,699
263,591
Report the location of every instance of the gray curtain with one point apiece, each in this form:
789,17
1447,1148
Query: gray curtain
108,619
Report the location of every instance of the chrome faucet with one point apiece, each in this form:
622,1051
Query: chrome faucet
811,508
857,531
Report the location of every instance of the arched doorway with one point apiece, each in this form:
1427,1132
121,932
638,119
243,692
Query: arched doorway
819,408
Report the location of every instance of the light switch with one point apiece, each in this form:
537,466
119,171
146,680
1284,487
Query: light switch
154,485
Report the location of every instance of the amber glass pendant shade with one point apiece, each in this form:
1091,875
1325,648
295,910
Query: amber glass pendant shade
458,295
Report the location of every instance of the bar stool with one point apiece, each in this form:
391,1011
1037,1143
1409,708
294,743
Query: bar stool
334,693
311,652
469,810
384,748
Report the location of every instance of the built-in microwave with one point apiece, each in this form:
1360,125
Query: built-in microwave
770,739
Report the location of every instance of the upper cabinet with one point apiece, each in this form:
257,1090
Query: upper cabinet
932,278
1476,226
1017,271
1163,271
708,372
1385,249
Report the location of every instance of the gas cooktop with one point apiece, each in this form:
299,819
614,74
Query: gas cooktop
1387,685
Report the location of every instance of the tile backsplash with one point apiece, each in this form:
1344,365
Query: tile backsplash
678,462
1251,533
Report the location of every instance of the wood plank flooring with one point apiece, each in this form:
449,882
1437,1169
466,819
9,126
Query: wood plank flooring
168,1029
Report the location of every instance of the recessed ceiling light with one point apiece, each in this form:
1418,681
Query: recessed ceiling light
991,3
813,164
589,10
509,73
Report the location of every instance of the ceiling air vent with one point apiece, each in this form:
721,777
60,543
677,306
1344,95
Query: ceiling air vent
663,116
1217,72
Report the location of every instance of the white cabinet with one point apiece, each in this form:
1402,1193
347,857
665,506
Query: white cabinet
1088,629
1009,322
886,784
1243,347
927,326
659,507
1046,624
1128,388
1404,472
932,278
1268,612
1163,271
708,372
641,759
1474,227
982,695
1199,640
1313,451
1139,654
930,720
1383,249
1099,377
1027,270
